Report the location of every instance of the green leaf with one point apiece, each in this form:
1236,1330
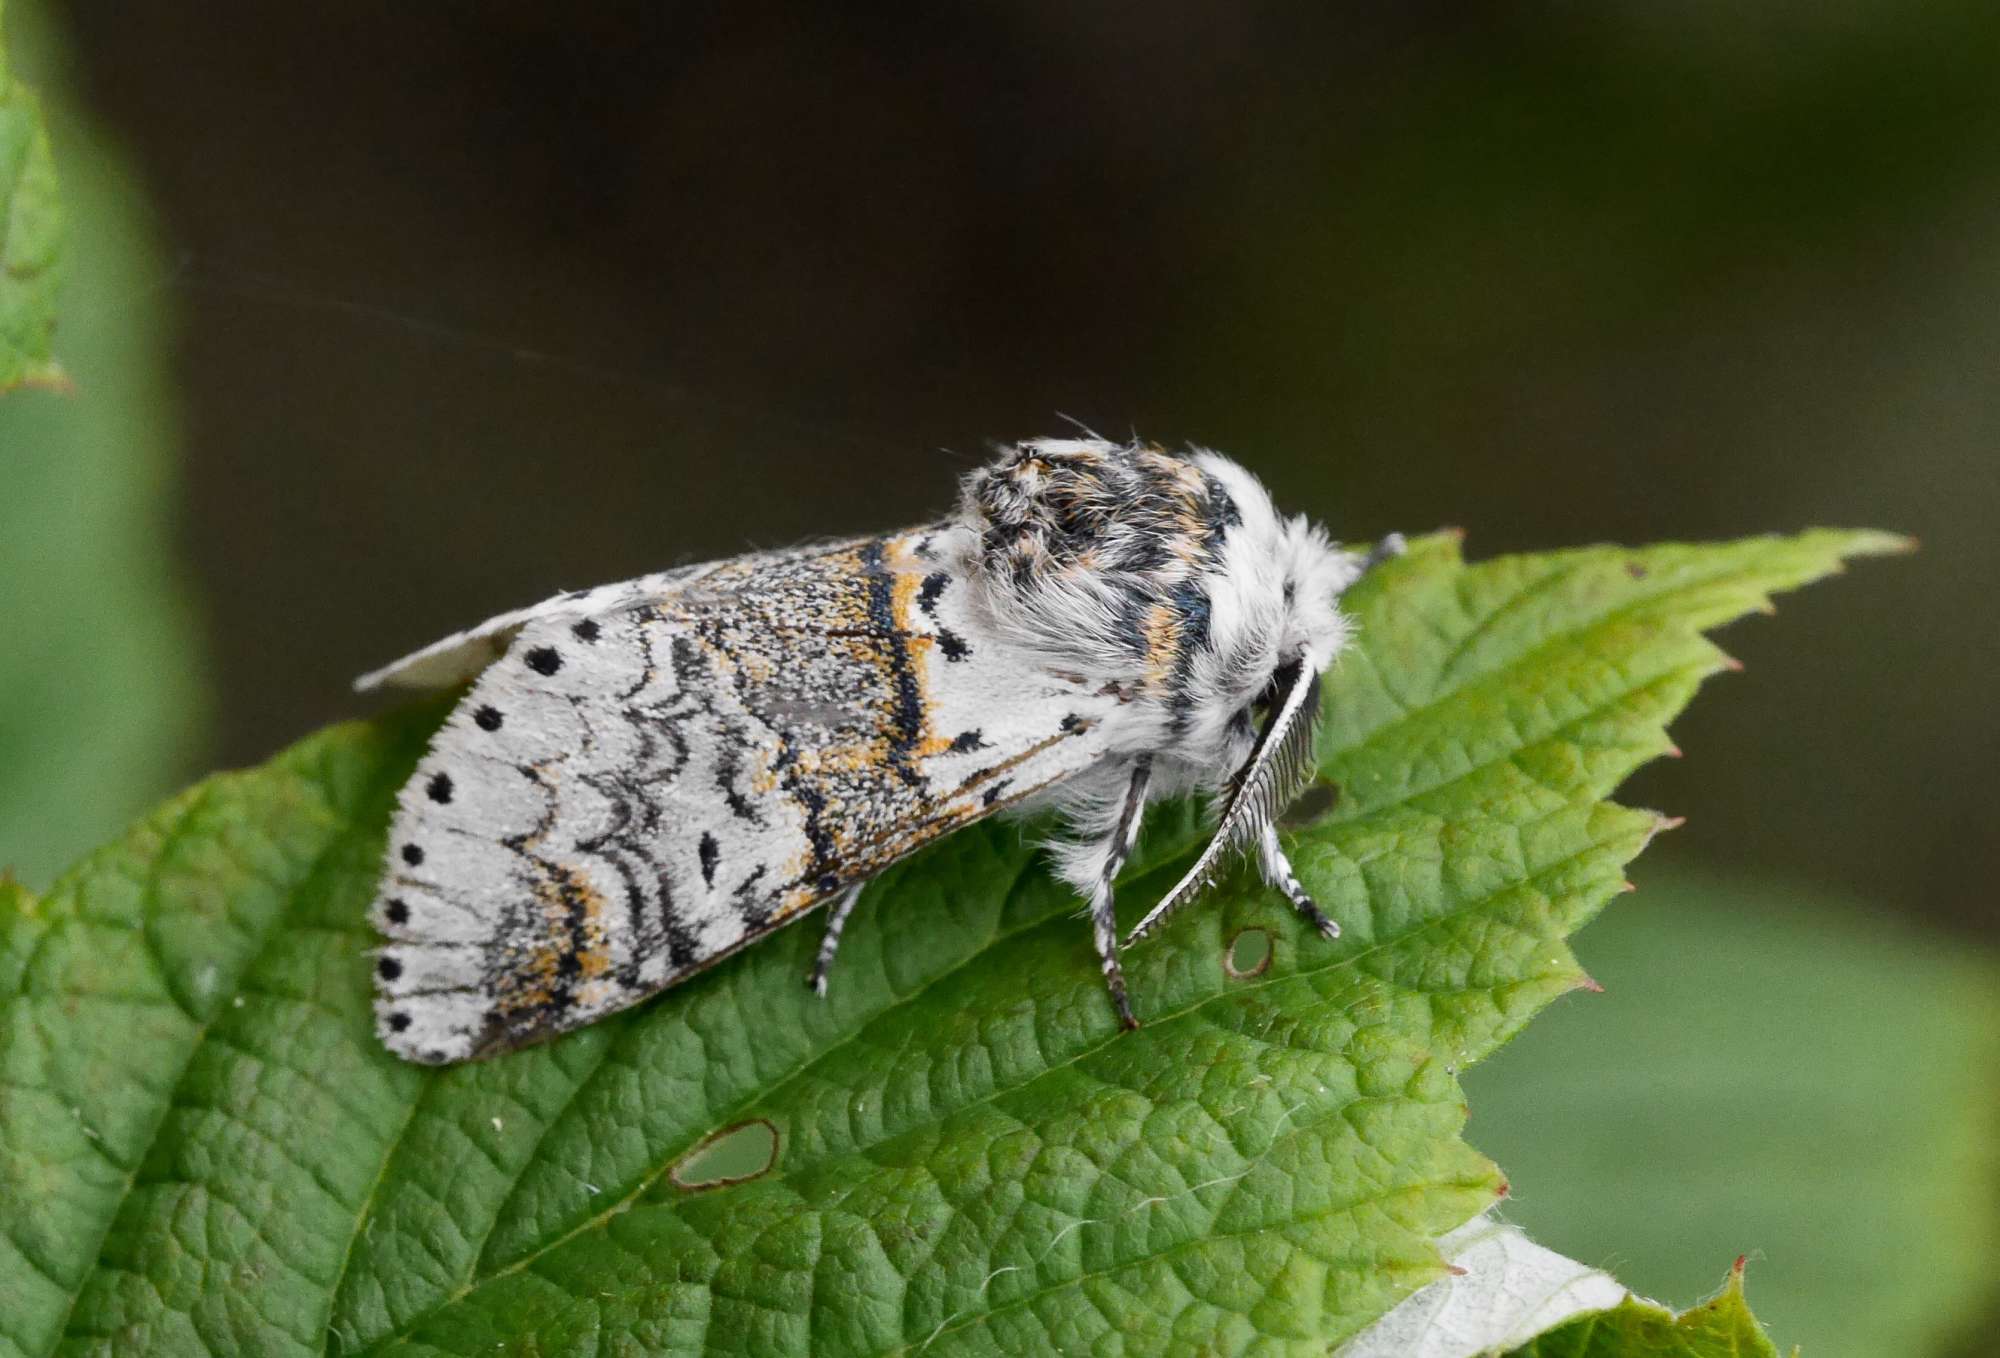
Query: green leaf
1754,1044
970,1156
30,237
1721,1327
101,708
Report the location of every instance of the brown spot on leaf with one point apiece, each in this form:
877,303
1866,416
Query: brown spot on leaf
733,1155
1248,954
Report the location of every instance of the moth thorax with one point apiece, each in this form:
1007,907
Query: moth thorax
1071,507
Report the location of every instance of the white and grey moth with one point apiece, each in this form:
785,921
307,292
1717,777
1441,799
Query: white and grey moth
643,778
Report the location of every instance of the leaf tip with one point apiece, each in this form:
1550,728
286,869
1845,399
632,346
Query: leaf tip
1877,542
1732,1289
14,893
1590,984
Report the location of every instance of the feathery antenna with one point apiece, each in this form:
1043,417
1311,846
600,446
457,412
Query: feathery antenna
1278,768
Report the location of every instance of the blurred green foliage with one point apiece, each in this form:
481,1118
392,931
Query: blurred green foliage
1769,1072
30,237
100,708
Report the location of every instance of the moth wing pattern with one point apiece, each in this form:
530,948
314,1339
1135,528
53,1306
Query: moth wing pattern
644,779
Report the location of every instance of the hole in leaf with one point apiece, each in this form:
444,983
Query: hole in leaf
1249,954
730,1156
1310,805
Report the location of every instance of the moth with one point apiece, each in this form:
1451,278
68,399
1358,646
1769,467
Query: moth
643,778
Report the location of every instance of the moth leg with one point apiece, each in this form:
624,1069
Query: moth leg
1114,849
1277,870
829,943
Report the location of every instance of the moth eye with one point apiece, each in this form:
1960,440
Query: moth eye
1279,684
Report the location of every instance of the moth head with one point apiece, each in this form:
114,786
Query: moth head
1313,575
1274,594
1274,624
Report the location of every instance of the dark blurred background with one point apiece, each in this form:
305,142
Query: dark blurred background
466,303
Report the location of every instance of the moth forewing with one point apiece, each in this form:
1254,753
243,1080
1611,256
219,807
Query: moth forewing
1277,769
627,796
